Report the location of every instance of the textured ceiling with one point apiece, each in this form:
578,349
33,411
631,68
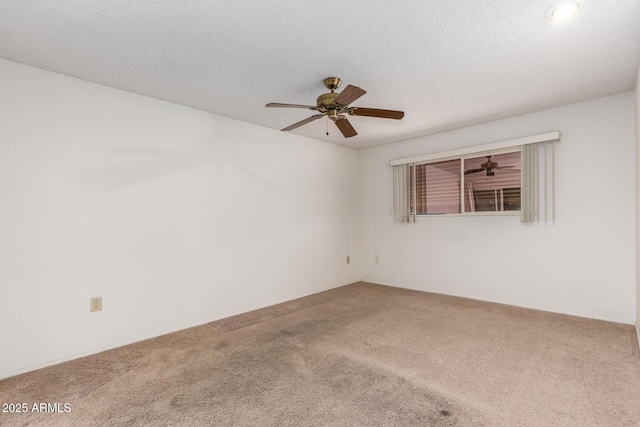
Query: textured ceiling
446,63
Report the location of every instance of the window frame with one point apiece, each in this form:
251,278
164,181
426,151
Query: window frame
462,158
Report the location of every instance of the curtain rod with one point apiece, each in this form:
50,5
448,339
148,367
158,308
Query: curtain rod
543,137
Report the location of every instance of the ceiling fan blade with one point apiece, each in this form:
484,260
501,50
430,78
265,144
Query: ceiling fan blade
303,122
345,127
504,168
373,112
349,94
278,105
473,171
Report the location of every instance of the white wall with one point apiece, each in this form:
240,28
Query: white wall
637,93
176,217
584,265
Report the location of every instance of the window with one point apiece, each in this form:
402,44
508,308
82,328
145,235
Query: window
466,185
503,177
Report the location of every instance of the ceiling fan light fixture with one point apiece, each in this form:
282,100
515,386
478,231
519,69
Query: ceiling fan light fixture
565,10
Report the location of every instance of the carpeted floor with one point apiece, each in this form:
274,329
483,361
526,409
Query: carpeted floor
360,355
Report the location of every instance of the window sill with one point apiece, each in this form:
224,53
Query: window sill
499,213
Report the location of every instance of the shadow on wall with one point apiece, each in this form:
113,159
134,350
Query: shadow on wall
127,167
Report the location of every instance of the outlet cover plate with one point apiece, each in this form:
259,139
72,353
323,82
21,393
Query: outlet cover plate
96,304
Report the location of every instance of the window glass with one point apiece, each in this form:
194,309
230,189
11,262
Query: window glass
511,199
492,183
438,188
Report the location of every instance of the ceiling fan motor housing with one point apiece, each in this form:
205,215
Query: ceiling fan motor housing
489,164
326,104
327,100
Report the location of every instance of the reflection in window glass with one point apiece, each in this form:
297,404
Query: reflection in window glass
492,183
438,188
511,199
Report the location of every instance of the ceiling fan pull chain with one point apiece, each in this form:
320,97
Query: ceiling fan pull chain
327,126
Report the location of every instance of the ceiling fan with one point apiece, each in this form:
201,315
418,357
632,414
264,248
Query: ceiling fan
336,105
490,167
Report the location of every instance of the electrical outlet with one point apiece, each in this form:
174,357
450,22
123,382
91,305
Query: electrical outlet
96,304
377,259
348,259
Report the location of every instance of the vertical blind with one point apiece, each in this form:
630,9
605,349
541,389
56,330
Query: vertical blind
529,190
401,190
538,182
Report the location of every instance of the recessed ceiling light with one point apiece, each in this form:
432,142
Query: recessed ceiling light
565,10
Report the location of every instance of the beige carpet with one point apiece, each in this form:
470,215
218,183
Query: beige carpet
356,356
